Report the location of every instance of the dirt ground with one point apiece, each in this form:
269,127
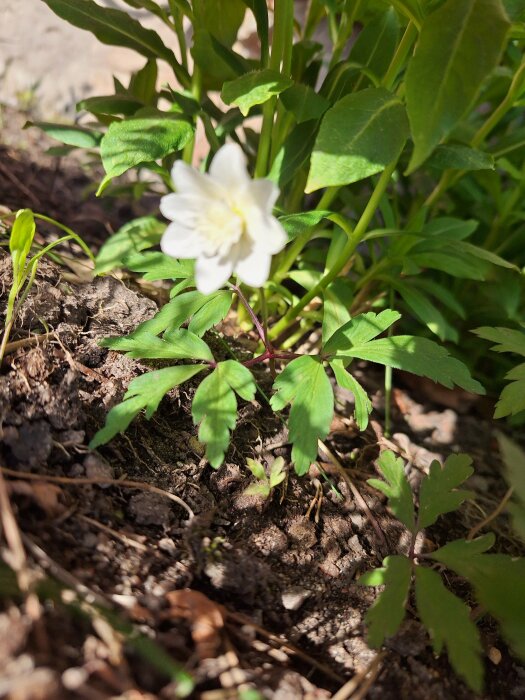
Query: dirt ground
241,593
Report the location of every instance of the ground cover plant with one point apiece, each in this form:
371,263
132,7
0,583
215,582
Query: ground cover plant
359,201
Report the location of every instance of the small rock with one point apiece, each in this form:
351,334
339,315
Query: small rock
150,509
294,597
98,468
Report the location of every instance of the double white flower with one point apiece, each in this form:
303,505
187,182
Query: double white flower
224,220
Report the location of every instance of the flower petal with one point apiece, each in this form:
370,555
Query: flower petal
254,268
180,242
177,207
264,194
189,180
211,273
228,167
266,232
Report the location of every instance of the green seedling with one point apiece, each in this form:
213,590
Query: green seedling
265,483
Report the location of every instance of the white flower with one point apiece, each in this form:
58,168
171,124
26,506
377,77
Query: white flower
224,220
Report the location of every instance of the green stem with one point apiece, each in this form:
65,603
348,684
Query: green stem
400,55
69,232
345,31
388,379
281,53
196,91
354,238
181,37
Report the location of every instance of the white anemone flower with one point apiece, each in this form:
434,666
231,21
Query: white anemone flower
223,219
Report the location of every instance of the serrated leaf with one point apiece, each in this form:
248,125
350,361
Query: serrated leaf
363,405
426,311
155,265
448,621
69,134
359,136
254,88
459,45
497,580
132,142
458,157
178,344
211,313
146,392
277,472
396,488
304,103
360,330
438,494
215,406
514,460
387,613
304,385
507,339
512,398
133,237
416,355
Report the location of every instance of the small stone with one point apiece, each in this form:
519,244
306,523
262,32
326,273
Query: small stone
294,597
494,655
98,468
150,509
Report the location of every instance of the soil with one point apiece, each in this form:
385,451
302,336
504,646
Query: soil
246,593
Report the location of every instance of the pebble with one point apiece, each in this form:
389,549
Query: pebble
294,597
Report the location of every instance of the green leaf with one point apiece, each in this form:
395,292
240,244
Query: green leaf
514,460
376,44
437,494
69,134
396,488
146,392
458,157
497,580
448,621
217,61
296,224
294,153
387,613
215,406
179,344
512,398
254,88
363,405
459,46
111,105
136,235
212,313
21,240
416,355
256,469
507,339
360,330
116,28
337,298
143,83
277,472
304,385
359,136
155,265
304,103
222,18
423,308
142,140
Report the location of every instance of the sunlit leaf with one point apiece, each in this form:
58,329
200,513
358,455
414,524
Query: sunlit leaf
396,488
